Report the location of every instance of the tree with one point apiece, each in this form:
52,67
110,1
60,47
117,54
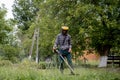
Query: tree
24,12
8,51
104,28
96,22
4,27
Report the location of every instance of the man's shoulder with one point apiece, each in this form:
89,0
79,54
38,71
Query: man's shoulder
68,35
62,35
59,34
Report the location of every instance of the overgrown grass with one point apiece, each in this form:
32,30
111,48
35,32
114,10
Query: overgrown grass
29,71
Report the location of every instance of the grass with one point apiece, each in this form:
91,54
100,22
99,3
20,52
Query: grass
25,72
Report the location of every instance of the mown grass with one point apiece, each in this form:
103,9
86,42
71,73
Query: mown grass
27,72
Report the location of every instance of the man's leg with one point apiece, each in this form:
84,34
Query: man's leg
61,64
69,59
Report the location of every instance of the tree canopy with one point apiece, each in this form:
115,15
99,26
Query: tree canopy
93,24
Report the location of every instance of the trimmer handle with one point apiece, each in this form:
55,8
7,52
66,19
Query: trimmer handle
57,51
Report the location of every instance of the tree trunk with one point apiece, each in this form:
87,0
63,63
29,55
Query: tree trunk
103,51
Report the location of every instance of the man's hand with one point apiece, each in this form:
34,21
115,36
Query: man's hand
70,50
54,49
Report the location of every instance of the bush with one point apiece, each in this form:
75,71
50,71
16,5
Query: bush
32,64
42,65
5,63
10,53
28,63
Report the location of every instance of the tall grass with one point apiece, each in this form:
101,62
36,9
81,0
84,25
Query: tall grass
24,72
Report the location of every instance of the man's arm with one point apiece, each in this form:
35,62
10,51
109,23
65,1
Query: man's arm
56,43
70,44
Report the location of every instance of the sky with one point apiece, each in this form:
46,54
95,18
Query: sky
8,5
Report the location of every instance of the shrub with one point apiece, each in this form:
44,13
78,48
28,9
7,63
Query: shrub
28,63
42,65
5,63
10,53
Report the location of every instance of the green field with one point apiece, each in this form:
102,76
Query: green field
31,71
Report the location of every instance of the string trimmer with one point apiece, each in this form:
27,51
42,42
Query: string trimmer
72,71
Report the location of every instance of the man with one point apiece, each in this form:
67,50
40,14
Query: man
63,43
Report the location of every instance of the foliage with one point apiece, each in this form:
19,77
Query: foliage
24,12
5,63
4,26
93,24
32,64
10,53
7,40
103,27
96,21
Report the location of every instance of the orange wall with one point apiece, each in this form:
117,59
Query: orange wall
89,57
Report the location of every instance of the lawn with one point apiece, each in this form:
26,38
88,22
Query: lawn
28,72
